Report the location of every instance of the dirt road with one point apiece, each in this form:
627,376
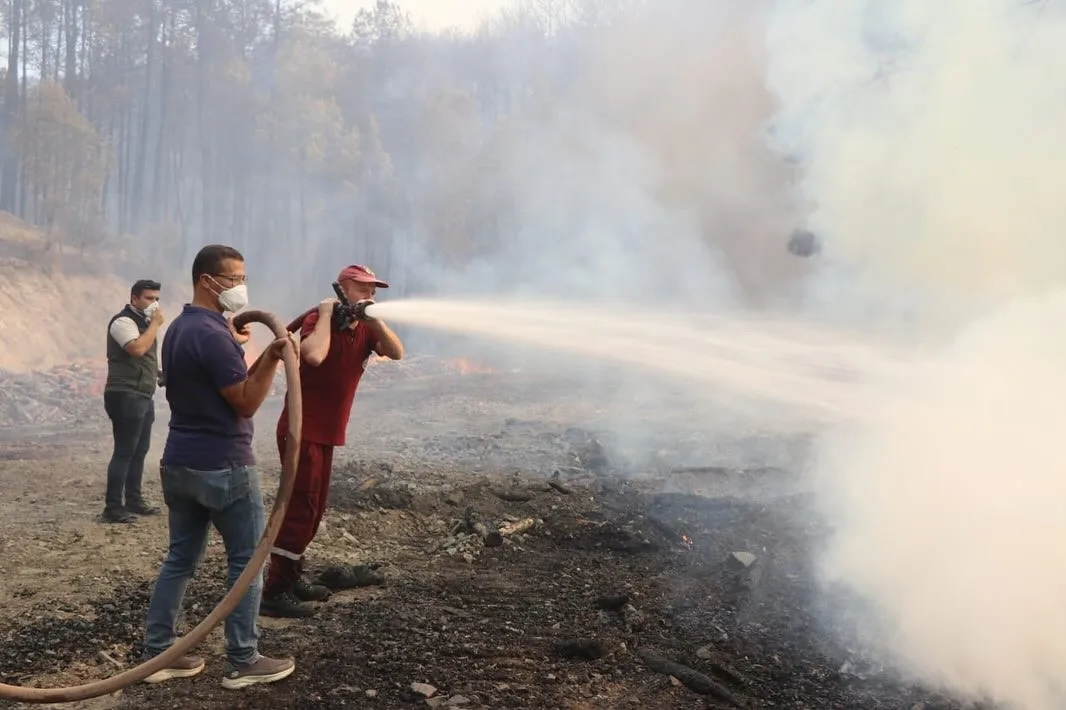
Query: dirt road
686,544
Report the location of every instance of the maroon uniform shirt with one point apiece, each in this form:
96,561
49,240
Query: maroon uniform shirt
329,389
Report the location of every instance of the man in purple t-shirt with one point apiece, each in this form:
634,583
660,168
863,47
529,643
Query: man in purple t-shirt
208,468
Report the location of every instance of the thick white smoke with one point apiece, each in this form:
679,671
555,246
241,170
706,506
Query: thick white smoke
932,143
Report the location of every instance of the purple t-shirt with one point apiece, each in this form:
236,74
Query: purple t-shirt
200,358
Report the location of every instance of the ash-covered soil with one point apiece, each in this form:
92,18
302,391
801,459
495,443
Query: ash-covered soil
628,575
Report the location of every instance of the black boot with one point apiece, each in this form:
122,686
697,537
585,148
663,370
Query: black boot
307,592
279,592
142,508
118,515
310,592
285,605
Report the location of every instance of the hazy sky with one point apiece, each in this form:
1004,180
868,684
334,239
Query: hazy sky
432,14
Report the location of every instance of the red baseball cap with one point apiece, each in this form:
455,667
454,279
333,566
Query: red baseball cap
358,272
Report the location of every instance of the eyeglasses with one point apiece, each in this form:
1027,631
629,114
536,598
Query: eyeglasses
242,279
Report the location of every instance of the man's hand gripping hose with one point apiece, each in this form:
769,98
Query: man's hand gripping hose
186,643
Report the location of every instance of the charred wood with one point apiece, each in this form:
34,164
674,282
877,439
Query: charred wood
582,648
691,679
614,602
560,487
485,530
512,496
518,527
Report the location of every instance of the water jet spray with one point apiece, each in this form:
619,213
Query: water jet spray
364,310
184,644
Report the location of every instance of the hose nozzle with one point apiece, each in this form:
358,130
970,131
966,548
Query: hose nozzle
345,312
359,309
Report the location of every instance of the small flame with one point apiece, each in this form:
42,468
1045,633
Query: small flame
686,540
468,367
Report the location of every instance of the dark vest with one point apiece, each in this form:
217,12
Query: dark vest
126,373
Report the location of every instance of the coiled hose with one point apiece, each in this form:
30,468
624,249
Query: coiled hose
184,644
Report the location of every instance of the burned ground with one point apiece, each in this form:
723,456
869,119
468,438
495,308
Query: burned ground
611,587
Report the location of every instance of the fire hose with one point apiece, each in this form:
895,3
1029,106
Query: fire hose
184,644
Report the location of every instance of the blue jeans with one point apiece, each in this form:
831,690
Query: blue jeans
230,499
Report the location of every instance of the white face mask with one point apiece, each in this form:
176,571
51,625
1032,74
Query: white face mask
234,299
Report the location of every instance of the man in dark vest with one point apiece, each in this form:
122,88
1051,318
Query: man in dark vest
132,376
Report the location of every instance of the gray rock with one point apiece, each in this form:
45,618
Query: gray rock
424,689
743,559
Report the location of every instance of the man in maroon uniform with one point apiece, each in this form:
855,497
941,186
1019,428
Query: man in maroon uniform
331,366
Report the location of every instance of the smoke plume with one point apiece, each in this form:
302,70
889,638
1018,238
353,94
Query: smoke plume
930,140
639,170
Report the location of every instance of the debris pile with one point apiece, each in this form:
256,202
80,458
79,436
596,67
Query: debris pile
471,534
67,394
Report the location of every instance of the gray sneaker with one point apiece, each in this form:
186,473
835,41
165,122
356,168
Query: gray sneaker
261,670
184,667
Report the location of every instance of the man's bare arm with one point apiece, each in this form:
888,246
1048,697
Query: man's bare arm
246,397
315,347
143,343
386,343
255,365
